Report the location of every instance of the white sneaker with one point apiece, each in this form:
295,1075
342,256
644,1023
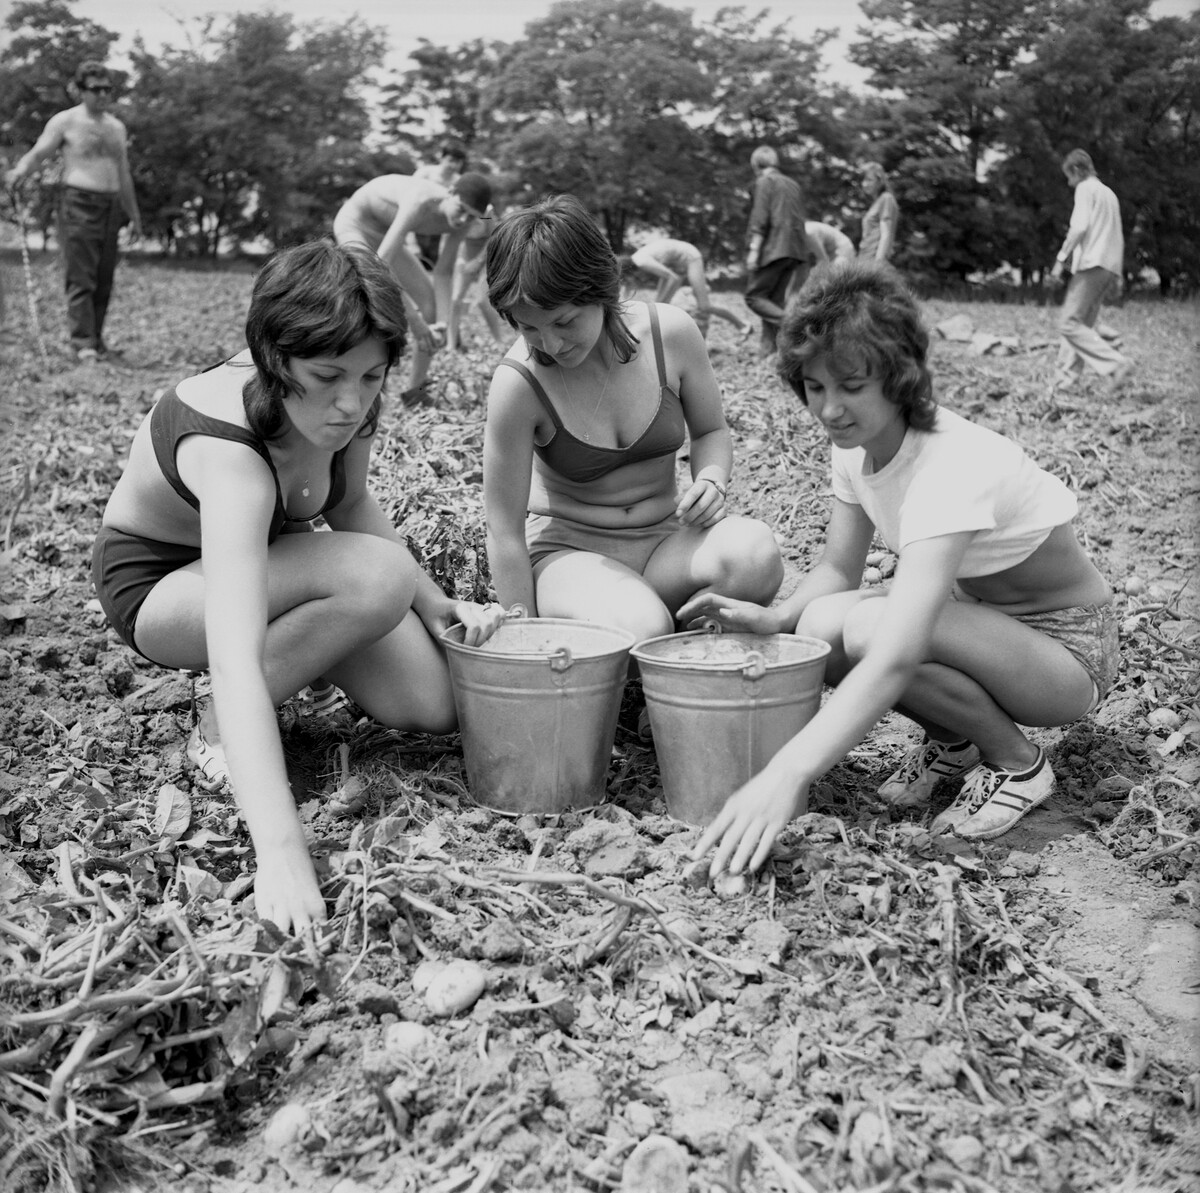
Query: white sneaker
922,769
209,759
992,800
323,703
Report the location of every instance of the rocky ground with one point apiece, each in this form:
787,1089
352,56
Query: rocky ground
561,1002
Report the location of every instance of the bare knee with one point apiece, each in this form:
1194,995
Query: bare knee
376,587
754,570
858,628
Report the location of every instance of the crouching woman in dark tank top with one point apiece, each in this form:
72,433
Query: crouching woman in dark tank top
586,412
199,563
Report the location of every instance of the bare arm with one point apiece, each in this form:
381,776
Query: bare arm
46,146
237,496
840,568
507,467
128,198
360,512
711,444
755,814
443,273
889,218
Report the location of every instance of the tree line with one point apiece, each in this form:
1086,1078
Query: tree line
259,127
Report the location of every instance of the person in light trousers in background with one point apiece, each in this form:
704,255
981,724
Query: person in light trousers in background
1095,248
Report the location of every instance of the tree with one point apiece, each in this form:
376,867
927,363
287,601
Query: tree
1107,78
448,82
941,67
255,132
595,100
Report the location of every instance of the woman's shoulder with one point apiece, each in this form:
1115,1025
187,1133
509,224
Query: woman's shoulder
218,391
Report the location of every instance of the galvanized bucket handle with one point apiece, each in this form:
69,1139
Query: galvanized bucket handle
515,612
756,665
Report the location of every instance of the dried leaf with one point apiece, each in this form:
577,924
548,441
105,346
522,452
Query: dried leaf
173,813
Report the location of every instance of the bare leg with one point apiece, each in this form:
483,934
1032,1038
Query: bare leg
704,304
986,675
339,606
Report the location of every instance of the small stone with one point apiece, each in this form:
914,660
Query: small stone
657,1165
405,1039
963,1151
289,1125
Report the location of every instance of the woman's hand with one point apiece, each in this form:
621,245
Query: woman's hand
730,614
479,622
703,504
753,816
424,337
286,891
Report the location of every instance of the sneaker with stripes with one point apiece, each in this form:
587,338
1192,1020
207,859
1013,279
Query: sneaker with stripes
992,800
923,767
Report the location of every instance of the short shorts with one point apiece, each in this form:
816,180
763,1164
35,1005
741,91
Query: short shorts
629,545
1089,632
125,567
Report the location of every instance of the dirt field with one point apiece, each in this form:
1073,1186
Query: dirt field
879,1011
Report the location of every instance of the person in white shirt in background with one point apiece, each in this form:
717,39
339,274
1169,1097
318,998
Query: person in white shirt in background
1095,248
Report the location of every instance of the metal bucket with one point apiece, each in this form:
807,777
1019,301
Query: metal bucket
537,707
721,707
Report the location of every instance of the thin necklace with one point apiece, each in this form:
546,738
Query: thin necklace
607,378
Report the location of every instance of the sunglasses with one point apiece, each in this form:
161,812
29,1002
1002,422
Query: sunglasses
98,88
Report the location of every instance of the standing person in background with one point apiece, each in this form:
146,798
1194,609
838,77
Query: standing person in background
780,255
832,244
451,163
1095,247
381,214
97,201
676,263
883,216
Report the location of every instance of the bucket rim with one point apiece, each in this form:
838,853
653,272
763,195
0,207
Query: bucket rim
626,639
639,652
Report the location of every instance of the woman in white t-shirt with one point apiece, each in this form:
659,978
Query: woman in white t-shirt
995,618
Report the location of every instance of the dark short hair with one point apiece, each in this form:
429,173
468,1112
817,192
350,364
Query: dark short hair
92,69
474,190
316,299
552,255
861,315
454,149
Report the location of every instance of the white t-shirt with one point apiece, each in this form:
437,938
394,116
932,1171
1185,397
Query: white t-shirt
958,477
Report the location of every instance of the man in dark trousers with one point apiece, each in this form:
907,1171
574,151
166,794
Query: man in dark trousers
97,199
780,254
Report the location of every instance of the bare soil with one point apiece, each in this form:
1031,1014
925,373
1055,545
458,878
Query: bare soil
879,1010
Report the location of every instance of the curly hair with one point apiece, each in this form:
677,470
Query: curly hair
316,299
552,255
859,315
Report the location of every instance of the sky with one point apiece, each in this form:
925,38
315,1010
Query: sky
443,22
451,22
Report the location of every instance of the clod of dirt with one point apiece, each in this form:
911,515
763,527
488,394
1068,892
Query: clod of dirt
657,1165
456,988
